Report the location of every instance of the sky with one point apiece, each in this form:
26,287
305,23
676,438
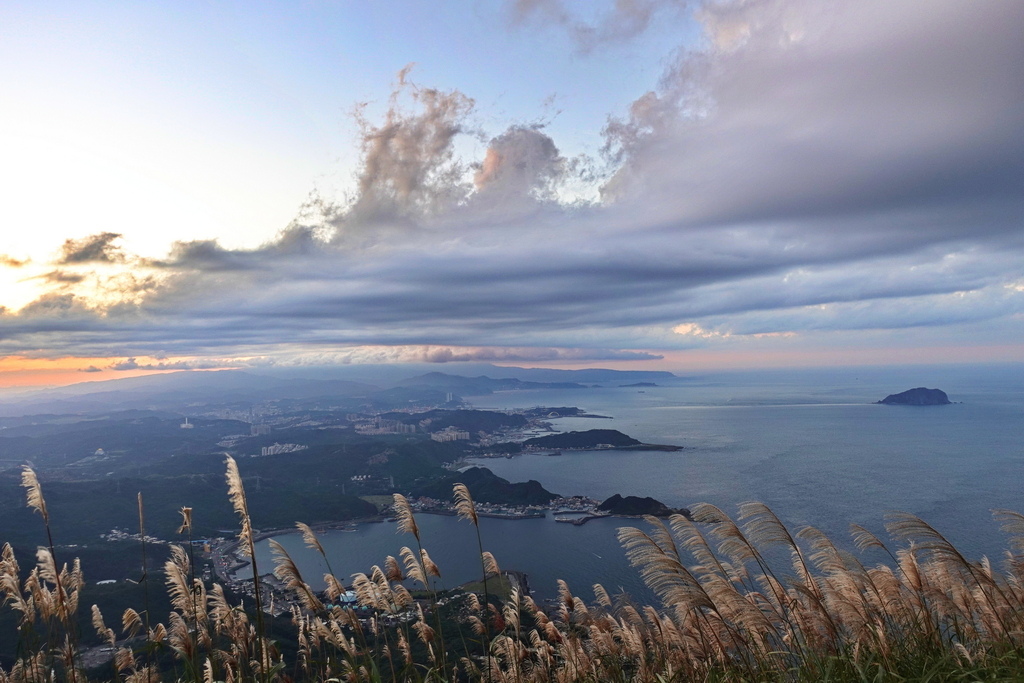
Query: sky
642,184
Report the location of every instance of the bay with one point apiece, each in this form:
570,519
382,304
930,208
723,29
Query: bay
810,444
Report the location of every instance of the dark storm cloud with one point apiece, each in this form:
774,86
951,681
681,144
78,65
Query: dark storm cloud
855,166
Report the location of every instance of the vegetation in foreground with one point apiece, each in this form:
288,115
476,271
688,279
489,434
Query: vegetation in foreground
729,612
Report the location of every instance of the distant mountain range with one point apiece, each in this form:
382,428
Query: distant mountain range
385,375
585,376
175,391
478,386
534,378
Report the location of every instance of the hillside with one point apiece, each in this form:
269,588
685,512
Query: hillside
595,439
487,487
480,386
591,438
635,506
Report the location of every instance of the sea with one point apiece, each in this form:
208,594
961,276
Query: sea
811,444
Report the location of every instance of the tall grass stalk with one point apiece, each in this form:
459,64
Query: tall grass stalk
334,591
725,612
144,580
61,620
236,493
466,509
195,589
420,567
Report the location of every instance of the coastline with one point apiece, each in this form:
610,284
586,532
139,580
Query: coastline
228,557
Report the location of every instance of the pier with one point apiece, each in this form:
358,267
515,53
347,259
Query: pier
578,521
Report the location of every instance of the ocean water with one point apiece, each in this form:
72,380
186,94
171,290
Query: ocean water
810,444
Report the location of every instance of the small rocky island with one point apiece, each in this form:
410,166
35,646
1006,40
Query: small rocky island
917,397
635,506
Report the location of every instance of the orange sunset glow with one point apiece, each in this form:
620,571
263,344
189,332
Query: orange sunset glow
24,371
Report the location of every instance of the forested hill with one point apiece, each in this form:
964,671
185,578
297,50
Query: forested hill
487,487
595,439
592,438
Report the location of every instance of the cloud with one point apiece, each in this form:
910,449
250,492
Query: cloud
695,330
409,170
521,162
809,172
62,277
11,262
386,354
203,255
626,19
98,248
91,368
133,364
874,106
54,305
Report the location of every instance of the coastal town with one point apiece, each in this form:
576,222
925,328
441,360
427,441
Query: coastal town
465,434
339,464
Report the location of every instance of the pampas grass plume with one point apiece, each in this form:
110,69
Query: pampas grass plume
403,513
34,492
464,504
